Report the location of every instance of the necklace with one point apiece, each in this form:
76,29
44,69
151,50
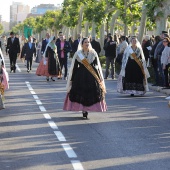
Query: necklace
86,54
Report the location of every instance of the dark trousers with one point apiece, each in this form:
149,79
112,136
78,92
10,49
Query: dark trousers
29,63
166,75
109,61
63,62
13,59
155,67
161,72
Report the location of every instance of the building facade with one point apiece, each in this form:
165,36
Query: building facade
18,13
42,8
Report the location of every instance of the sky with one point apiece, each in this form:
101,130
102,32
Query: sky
5,7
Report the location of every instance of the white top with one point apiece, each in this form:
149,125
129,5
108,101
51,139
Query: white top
165,57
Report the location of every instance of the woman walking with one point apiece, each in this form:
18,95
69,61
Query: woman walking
49,66
133,76
85,86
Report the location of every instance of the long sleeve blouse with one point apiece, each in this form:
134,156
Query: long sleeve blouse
165,58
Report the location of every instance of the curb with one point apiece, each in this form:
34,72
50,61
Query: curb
159,89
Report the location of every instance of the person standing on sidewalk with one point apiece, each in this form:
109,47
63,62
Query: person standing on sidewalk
13,47
157,55
154,61
165,60
29,50
110,52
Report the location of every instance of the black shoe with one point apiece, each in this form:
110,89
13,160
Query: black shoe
47,79
132,95
28,71
85,114
52,79
14,71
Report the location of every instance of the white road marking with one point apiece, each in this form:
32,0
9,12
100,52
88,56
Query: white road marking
38,102
47,116
77,165
67,148
42,108
52,125
35,97
60,136
69,151
30,88
18,68
32,92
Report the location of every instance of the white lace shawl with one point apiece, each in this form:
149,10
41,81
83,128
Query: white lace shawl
91,57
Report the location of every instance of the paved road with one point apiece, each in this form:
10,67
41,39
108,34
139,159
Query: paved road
36,134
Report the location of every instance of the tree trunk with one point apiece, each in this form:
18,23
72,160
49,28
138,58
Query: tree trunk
161,25
72,31
113,21
102,31
142,23
75,33
86,29
125,21
79,27
132,30
67,33
93,32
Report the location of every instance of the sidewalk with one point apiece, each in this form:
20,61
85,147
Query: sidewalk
159,89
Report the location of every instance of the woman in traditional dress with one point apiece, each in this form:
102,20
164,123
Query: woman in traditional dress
85,86
133,76
49,66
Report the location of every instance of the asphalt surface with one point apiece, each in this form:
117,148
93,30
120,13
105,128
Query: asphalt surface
36,134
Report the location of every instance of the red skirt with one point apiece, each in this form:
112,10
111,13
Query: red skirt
73,106
42,69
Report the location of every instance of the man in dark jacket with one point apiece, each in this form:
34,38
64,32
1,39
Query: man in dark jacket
13,47
110,52
76,43
96,45
28,50
63,47
44,43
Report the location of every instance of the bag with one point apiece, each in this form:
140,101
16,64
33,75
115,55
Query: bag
2,106
119,58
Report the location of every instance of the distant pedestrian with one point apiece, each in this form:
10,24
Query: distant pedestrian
29,50
49,66
13,47
63,47
96,45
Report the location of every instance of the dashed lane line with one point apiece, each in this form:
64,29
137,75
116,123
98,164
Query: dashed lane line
67,148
